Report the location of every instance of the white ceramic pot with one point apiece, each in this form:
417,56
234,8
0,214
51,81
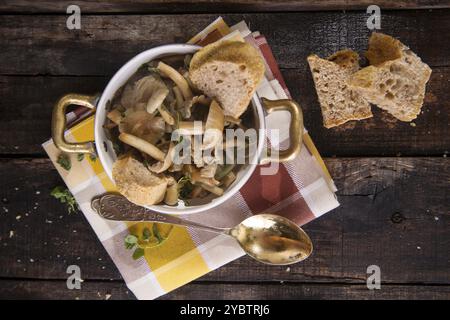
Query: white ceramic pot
107,155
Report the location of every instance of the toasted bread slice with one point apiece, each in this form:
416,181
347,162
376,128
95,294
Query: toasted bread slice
228,71
138,184
395,81
338,102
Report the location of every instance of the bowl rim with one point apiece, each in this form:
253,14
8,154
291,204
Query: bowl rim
125,72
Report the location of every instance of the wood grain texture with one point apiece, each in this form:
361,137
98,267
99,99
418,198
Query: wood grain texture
96,290
386,218
65,61
159,6
27,102
105,43
394,211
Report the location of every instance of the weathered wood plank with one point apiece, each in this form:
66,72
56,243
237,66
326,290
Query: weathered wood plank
394,213
26,108
94,290
49,290
152,6
26,105
104,43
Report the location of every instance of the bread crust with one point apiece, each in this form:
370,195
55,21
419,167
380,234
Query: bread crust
396,80
138,184
240,66
338,102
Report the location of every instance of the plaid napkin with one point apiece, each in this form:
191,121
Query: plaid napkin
302,190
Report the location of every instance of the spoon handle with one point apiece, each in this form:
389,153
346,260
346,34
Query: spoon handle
116,207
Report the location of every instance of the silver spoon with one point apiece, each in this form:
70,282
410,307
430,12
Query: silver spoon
268,238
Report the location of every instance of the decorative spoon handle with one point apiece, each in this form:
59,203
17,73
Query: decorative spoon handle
116,207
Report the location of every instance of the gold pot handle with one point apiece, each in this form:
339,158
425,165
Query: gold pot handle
59,123
295,129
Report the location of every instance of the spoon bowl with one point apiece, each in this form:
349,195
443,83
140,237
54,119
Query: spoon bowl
272,239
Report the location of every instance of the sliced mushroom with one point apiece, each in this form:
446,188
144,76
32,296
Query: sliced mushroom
233,120
196,178
176,77
188,128
178,97
209,170
171,197
162,166
142,145
165,114
157,99
228,180
140,91
115,116
213,189
143,125
213,127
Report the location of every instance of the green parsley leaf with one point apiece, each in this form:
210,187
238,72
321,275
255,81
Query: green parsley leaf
156,233
146,234
64,161
138,253
64,196
130,241
80,157
93,157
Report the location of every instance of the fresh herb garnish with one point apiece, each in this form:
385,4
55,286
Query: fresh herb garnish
138,253
64,161
150,237
130,241
80,157
93,157
153,69
146,234
64,196
156,233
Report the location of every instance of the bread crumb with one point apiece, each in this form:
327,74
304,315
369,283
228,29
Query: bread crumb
18,217
11,234
412,124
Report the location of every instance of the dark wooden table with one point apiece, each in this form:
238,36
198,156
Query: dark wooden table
393,177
